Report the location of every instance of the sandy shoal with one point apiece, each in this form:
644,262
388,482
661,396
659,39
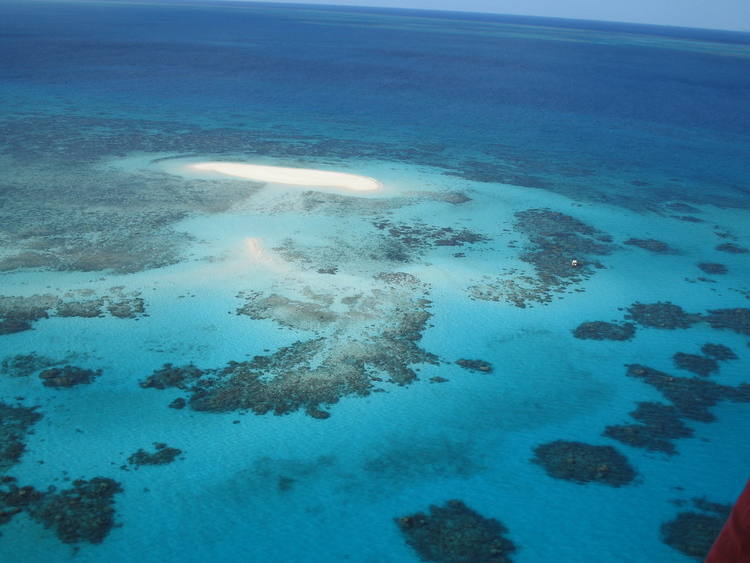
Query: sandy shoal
291,176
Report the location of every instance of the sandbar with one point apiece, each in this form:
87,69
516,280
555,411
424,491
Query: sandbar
291,176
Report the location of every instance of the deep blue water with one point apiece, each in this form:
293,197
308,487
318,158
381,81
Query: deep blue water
528,142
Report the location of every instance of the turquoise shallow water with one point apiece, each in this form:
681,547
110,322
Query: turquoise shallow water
346,360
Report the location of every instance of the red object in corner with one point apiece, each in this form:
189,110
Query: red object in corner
733,543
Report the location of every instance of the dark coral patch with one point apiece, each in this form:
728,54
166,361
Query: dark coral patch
454,533
172,376
650,244
699,365
661,315
713,268
600,330
659,425
691,396
732,248
68,376
82,513
693,533
162,455
23,365
737,319
15,422
718,351
475,365
584,463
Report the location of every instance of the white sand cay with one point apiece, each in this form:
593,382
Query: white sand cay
291,176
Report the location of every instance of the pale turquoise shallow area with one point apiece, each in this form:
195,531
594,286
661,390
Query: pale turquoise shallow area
469,124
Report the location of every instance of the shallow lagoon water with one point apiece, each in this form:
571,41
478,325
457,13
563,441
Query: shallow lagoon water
497,167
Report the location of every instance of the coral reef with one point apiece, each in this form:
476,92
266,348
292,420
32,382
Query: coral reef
732,248
83,513
454,533
172,376
713,268
691,396
718,351
650,244
19,313
162,455
475,365
659,425
584,463
737,319
68,376
23,365
15,422
699,365
661,315
693,533
600,330
554,241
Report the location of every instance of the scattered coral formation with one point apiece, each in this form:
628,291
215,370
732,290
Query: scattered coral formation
713,268
554,241
661,315
691,396
68,376
693,533
162,455
600,330
454,533
731,248
19,313
15,422
475,365
584,463
660,424
23,365
718,351
736,319
172,376
83,513
699,365
652,245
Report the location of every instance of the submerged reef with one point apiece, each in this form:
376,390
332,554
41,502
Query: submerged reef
718,351
713,268
660,424
584,463
650,244
19,313
68,376
555,240
83,513
693,533
475,365
699,365
731,248
162,455
23,365
172,376
691,396
454,533
422,236
15,422
600,330
661,315
737,319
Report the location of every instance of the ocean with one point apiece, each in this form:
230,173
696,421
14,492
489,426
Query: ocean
518,330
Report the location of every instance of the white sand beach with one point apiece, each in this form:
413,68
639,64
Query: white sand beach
291,176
